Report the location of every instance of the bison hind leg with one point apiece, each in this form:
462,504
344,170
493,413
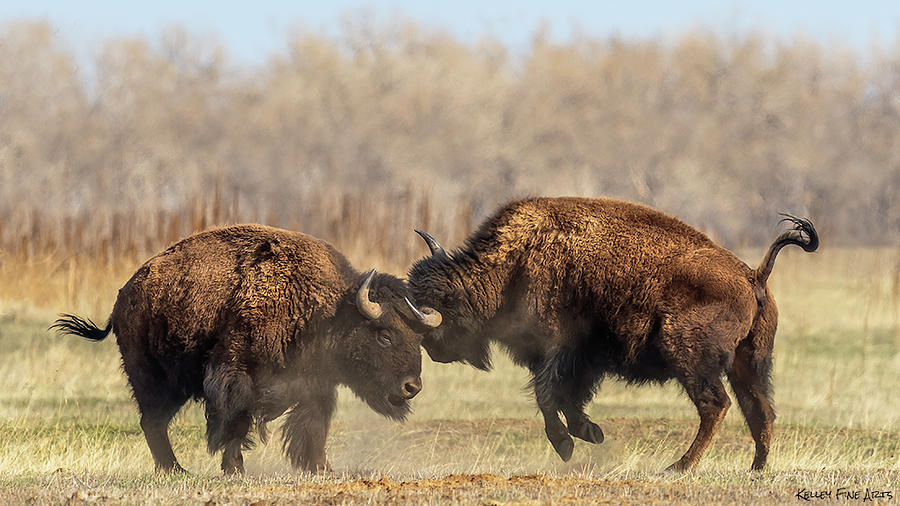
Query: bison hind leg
155,418
158,404
696,348
750,381
712,403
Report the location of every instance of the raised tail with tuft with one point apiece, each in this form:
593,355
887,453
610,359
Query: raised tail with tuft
803,234
76,326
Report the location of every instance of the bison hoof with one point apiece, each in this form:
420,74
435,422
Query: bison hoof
678,467
233,471
564,448
173,469
590,432
318,467
233,467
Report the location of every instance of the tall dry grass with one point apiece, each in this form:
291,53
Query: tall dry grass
79,263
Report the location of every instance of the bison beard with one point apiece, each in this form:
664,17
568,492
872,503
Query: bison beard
256,321
577,289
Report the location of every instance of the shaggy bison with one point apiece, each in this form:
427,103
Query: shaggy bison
257,321
576,289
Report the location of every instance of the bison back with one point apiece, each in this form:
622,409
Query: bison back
257,285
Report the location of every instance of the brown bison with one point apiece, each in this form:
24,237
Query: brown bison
576,289
256,321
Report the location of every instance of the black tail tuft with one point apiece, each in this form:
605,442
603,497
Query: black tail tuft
810,242
76,326
803,234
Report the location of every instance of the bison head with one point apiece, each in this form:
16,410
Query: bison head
381,355
436,281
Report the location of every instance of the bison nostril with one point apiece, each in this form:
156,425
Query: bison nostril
411,387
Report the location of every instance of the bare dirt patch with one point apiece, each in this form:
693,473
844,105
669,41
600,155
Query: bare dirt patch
453,489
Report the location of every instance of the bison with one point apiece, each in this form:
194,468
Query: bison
576,289
256,321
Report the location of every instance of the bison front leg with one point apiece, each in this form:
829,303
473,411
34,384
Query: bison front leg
229,399
581,426
556,431
306,430
232,458
574,393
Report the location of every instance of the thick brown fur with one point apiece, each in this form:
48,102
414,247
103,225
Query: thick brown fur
576,289
256,321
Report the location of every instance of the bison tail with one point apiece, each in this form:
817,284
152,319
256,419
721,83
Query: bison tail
76,326
802,234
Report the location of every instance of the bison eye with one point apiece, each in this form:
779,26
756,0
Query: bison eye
384,339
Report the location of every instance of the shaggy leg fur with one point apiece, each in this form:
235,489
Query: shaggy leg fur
565,382
306,430
229,400
236,437
752,389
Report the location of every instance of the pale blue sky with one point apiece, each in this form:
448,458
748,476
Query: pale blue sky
252,30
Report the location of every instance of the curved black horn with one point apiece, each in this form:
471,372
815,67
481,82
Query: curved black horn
436,249
369,309
429,317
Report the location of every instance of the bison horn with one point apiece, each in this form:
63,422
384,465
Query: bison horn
436,249
369,309
428,316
